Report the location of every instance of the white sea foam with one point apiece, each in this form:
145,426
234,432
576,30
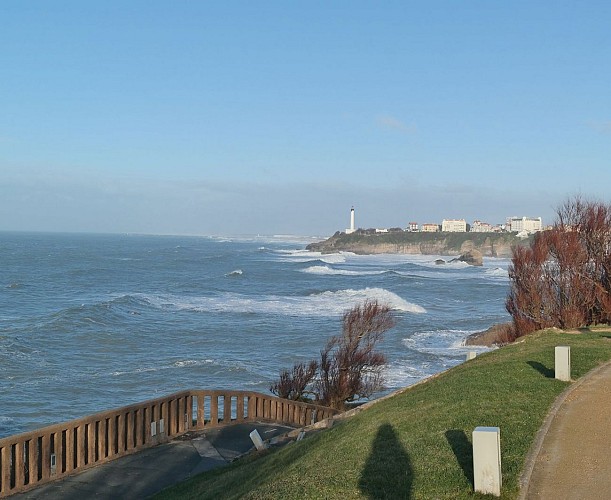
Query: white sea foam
329,303
497,273
345,299
400,375
434,275
175,364
237,272
186,362
438,341
302,256
326,270
137,370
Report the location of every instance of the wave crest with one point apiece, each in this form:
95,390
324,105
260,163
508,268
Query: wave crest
303,256
328,303
326,270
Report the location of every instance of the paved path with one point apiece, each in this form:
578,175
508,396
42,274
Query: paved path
145,473
574,461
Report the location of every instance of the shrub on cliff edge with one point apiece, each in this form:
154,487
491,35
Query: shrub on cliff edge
350,368
564,278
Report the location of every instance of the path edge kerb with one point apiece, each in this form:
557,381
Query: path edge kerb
535,449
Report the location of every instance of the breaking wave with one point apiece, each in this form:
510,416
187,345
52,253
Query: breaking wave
302,256
326,270
329,303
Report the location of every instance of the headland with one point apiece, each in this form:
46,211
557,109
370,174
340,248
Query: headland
421,243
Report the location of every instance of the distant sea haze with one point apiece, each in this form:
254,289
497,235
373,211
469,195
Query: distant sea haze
93,322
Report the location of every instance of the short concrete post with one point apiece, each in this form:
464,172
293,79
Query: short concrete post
471,355
563,363
256,439
487,460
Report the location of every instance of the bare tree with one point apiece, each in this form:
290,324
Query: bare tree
350,368
563,279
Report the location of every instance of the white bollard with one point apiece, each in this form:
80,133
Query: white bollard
487,460
563,363
471,355
256,439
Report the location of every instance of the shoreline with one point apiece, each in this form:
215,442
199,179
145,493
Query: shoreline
492,337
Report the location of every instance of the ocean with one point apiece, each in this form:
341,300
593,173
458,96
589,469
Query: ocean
93,322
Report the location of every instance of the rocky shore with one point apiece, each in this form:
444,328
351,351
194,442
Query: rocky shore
495,335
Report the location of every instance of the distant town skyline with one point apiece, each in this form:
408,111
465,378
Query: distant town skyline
521,223
243,118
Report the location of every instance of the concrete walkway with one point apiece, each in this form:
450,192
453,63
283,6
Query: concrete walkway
147,472
574,459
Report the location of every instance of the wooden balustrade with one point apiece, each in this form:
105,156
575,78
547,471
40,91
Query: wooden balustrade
36,457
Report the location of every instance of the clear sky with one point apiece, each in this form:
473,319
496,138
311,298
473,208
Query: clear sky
227,117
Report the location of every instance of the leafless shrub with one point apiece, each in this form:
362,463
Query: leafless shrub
563,279
294,384
350,368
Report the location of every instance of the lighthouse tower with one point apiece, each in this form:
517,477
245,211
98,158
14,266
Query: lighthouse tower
351,229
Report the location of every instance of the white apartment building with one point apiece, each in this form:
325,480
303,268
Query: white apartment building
413,226
454,225
526,224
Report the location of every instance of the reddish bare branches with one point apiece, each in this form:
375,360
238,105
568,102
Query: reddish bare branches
294,384
350,368
563,279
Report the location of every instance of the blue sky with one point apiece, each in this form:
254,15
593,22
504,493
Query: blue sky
188,117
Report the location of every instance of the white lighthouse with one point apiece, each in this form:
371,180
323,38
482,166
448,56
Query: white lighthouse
351,230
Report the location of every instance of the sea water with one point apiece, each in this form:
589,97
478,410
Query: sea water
94,322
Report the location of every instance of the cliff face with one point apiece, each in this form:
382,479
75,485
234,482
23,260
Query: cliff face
451,244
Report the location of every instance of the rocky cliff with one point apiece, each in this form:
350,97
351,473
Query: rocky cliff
453,244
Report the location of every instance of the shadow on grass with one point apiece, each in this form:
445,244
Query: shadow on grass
463,451
388,471
542,369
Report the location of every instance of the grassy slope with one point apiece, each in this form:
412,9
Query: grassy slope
418,444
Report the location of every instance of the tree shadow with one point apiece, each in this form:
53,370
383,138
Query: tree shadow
542,369
463,451
388,471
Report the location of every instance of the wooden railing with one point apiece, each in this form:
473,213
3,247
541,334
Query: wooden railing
30,459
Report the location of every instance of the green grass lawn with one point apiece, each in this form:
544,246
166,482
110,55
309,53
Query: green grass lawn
417,444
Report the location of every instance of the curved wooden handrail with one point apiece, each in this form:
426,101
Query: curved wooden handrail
33,458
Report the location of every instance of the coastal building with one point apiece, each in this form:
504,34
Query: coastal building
384,230
481,227
413,227
525,224
454,225
430,228
351,229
